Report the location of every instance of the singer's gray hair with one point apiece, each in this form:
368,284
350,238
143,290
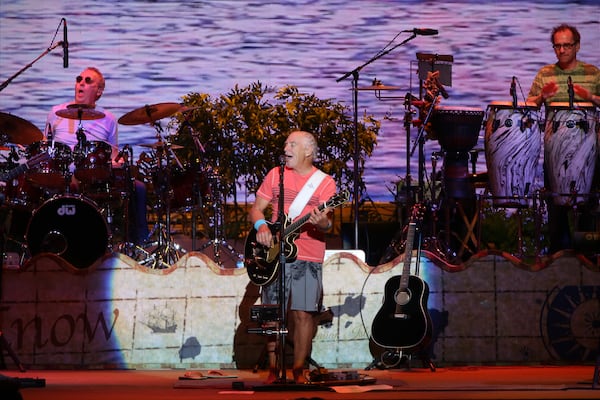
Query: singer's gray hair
311,143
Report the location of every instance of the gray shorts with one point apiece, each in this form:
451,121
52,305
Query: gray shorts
304,279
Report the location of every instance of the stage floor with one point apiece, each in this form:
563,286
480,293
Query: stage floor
476,382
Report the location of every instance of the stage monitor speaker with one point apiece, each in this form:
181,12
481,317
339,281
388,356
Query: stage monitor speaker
373,238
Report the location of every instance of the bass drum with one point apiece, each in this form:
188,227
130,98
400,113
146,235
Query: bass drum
71,227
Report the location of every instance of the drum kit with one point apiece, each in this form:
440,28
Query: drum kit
39,207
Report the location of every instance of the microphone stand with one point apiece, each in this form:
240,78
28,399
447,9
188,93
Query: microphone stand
355,76
9,80
281,282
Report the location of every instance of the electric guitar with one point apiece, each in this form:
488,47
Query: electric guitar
403,321
262,262
32,162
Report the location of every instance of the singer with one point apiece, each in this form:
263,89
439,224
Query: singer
89,87
303,277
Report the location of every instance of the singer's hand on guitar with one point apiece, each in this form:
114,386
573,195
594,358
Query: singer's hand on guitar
319,218
264,235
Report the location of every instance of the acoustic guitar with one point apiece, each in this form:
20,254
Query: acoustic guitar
403,321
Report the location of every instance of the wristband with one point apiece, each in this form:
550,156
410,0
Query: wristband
259,223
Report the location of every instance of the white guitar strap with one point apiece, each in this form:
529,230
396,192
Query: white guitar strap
305,193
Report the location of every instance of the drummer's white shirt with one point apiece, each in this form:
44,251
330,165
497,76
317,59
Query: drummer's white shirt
64,130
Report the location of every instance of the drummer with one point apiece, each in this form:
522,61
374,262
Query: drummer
550,83
98,125
89,86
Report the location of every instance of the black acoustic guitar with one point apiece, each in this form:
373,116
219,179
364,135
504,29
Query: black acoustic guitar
403,321
18,170
262,262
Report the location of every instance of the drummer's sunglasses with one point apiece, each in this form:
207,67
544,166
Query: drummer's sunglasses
88,80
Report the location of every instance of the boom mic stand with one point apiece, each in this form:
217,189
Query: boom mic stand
355,76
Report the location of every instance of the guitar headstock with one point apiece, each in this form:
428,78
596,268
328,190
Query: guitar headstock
338,199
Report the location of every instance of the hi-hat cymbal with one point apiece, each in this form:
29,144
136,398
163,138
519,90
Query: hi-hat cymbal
14,129
159,145
379,87
84,112
149,113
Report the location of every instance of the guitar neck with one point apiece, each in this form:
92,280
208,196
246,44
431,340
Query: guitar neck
408,248
298,223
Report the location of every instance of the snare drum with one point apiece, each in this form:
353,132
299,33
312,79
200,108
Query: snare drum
570,150
71,227
513,146
93,161
53,173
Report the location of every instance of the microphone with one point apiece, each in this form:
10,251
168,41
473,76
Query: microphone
282,159
571,91
65,45
423,31
513,91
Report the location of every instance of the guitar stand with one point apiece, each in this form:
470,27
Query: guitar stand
393,358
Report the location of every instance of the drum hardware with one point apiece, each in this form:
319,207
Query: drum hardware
159,250
216,220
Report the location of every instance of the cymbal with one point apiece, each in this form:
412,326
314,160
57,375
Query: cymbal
149,113
14,129
158,145
188,108
379,87
84,112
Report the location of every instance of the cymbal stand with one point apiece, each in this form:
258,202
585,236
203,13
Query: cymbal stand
218,240
163,251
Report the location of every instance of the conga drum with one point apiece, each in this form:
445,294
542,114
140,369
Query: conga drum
570,150
513,145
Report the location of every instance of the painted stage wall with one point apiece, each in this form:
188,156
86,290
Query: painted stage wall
194,315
